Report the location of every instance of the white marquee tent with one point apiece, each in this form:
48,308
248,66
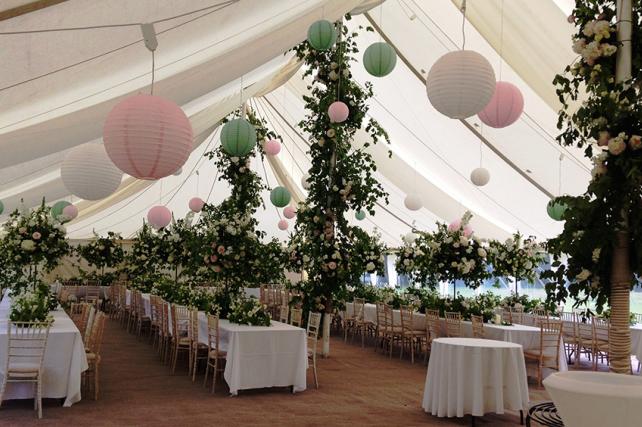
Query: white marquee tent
56,89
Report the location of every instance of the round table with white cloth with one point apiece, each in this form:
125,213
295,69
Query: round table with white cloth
475,376
596,399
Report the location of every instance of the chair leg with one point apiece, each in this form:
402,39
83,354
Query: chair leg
207,370
96,370
39,398
215,373
314,369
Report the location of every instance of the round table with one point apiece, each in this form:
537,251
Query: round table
475,376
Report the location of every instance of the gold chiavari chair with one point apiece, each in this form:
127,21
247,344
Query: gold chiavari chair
478,326
180,334
507,316
214,354
79,313
363,326
199,350
296,317
637,317
133,311
262,295
395,333
166,335
411,335
112,303
124,307
571,335
284,313
433,328
453,324
517,315
92,351
156,318
383,327
548,353
314,323
26,346
143,321
93,295
601,338
584,338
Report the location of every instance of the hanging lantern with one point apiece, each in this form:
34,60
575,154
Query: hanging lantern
159,217
556,209
413,202
178,172
410,238
480,176
505,106
1,207
360,215
280,197
56,209
304,181
87,172
196,204
379,59
69,212
272,147
238,137
460,84
338,112
322,35
147,137
289,212
283,225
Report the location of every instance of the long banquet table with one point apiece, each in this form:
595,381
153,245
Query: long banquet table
63,364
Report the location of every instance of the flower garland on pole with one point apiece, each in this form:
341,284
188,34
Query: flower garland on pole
341,177
103,252
516,257
602,236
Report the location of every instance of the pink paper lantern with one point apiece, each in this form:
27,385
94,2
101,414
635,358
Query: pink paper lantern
338,112
159,217
455,225
272,147
196,204
70,212
468,231
505,106
147,137
289,212
283,225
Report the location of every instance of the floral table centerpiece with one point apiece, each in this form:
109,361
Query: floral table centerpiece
248,311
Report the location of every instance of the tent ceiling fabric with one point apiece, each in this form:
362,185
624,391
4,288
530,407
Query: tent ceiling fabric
200,65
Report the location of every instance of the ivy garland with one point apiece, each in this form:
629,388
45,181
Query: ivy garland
341,176
607,124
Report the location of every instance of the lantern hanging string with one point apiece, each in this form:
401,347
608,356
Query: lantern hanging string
463,24
151,89
501,42
559,176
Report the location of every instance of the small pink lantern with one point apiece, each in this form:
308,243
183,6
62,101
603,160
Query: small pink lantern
468,231
505,106
289,212
455,225
70,212
196,204
159,217
272,147
283,225
338,112
147,137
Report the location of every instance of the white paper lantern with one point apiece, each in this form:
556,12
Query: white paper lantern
88,173
413,202
480,176
304,181
460,84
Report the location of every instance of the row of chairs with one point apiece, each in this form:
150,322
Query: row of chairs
91,324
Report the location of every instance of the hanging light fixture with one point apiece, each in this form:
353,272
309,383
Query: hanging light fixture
88,173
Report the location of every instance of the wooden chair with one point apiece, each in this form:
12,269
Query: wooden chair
314,323
547,355
198,350
453,324
584,338
363,326
156,319
92,351
214,353
180,334
166,335
284,313
507,316
517,315
26,346
395,333
411,335
93,295
433,329
143,321
296,317
384,325
478,326
601,338
79,313
571,336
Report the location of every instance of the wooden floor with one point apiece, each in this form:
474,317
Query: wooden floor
357,387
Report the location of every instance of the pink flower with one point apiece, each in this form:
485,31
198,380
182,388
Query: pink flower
22,230
217,269
571,19
221,249
616,146
635,142
603,138
36,235
332,265
206,259
213,258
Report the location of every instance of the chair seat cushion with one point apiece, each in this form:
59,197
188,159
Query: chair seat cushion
24,367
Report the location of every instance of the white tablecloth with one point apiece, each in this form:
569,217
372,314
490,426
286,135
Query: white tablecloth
475,376
259,356
636,341
596,399
64,361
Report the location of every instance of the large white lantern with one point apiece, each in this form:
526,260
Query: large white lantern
460,84
413,202
480,176
88,173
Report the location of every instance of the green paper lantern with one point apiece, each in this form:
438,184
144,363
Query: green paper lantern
556,209
379,59
56,209
238,137
322,35
280,197
1,207
360,215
